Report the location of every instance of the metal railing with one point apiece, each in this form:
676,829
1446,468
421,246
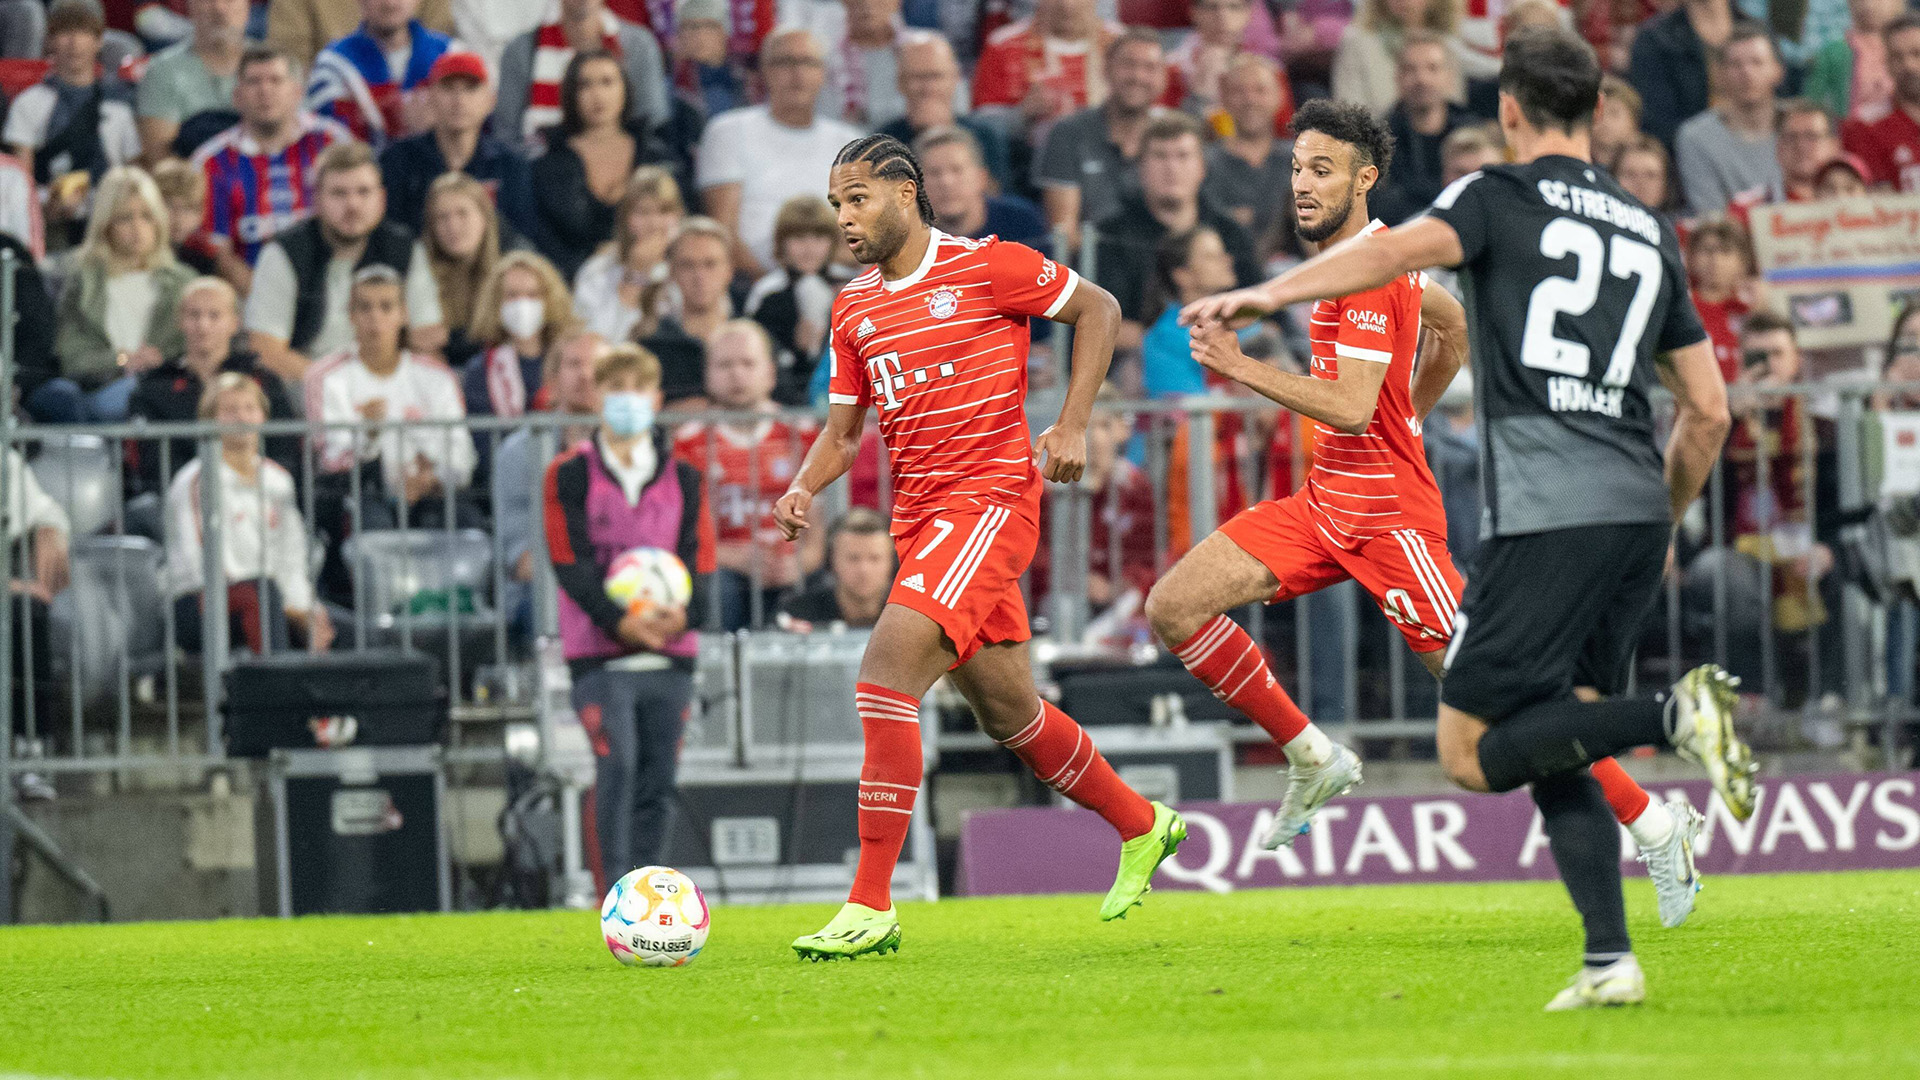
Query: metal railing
126,696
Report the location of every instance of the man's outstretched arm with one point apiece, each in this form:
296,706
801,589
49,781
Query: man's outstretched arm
1355,265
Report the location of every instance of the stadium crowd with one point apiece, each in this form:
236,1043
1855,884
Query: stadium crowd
390,210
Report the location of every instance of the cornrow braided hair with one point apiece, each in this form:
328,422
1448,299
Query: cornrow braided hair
892,160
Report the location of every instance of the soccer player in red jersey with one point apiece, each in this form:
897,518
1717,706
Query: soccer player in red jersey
935,338
1369,510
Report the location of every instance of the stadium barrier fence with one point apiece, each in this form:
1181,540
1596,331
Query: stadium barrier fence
1792,570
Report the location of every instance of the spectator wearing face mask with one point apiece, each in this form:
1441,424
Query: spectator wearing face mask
520,311
632,668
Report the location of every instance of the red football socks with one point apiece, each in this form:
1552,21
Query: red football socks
889,784
1223,657
1628,799
1062,755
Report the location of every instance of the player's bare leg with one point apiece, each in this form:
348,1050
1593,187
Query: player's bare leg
907,652
998,683
1187,610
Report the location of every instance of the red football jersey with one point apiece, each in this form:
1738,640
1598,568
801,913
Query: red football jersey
746,473
942,355
1889,144
1722,322
1365,485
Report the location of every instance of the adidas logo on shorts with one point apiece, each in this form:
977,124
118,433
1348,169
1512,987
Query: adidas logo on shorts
917,583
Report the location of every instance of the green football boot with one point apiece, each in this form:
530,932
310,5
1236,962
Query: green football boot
856,931
1139,858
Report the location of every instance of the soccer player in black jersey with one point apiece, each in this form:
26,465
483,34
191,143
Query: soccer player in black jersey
1576,301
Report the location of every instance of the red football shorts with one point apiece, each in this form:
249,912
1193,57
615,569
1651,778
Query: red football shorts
1408,572
962,570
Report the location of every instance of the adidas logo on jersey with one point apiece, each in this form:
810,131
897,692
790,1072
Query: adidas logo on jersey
864,331
917,583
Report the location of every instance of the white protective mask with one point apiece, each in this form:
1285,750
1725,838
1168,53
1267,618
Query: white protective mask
524,316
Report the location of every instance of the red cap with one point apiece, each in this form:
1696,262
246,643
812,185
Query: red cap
1854,162
458,65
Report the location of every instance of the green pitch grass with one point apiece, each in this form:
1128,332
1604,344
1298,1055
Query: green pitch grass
1804,977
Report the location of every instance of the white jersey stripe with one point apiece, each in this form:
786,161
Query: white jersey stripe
992,521
1431,582
975,539
1445,602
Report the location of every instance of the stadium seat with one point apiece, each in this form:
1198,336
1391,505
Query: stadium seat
127,569
145,516
88,631
422,573
78,472
412,583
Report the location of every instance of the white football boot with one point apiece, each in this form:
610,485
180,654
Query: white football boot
1670,865
1309,789
1701,730
1619,983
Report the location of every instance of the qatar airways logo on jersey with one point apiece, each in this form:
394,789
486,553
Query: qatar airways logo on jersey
1048,271
1371,321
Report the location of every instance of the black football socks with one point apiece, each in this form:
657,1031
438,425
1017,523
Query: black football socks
1559,736
1585,841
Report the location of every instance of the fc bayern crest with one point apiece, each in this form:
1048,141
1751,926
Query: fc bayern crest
943,303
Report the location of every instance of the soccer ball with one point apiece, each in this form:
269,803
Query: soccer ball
654,917
647,578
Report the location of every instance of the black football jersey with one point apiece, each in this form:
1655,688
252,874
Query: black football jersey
1572,288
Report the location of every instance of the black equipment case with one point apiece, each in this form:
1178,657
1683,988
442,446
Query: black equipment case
303,701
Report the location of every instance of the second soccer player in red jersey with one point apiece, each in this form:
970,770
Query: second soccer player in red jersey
935,338
1369,510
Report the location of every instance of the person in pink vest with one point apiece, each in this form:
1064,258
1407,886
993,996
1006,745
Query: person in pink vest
621,489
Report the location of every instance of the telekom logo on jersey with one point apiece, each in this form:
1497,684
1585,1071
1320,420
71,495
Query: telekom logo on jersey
890,382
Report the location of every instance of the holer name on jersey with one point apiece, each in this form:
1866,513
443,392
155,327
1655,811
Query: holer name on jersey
1600,206
1577,395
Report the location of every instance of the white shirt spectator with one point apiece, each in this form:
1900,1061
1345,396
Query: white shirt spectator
485,26
264,536
20,206
32,111
130,300
596,296
33,508
420,388
270,304
771,162
863,84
